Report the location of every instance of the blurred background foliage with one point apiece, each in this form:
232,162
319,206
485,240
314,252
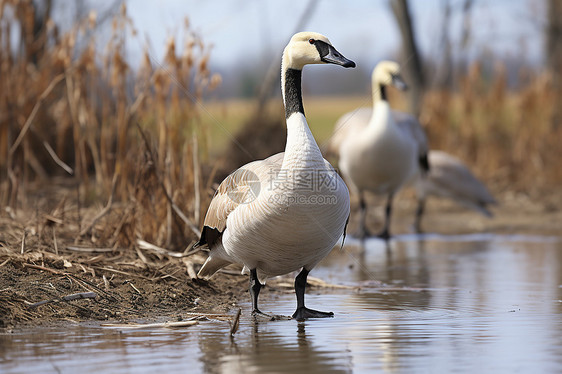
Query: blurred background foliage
150,138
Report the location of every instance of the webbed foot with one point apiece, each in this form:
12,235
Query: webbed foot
303,313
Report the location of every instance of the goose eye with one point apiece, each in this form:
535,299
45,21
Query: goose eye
311,41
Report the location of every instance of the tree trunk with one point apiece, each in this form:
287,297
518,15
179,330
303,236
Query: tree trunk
445,77
411,61
553,50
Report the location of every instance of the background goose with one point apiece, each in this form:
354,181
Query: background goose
380,150
449,177
266,215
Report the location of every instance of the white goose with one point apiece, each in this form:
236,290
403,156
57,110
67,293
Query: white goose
286,212
450,178
380,150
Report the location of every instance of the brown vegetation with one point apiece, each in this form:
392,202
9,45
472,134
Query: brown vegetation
509,138
105,158
95,158
128,137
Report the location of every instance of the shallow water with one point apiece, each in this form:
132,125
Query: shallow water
471,303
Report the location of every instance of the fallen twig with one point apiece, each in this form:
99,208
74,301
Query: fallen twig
133,286
235,323
165,276
74,296
141,256
150,325
120,272
190,269
146,245
23,242
105,282
56,158
209,315
82,282
88,270
38,267
52,219
89,250
55,241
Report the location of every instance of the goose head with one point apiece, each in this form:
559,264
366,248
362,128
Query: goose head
312,48
388,73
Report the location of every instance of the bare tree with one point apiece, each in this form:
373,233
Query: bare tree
466,23
553,50
450,66
411,61
445,78
33,40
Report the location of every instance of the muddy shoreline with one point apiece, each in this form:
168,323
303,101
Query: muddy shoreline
136,295
162,287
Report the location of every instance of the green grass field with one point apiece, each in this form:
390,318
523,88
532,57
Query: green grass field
224,119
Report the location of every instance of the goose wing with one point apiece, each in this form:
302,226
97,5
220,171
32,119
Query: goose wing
455,178
411,126
240,187
347,125
355,121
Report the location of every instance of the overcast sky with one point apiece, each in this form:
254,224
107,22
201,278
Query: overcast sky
362,30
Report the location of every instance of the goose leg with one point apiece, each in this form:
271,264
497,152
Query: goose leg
385,233
255,287
363,232
419,214
302,311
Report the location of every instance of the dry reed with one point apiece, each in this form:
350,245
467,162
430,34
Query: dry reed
68,106
509,137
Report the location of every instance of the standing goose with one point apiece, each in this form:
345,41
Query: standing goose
286,212
449,177
380,150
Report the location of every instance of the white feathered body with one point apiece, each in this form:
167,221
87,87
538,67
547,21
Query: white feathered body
379,154
297,217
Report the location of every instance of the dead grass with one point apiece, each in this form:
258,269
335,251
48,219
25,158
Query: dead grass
133,145
128,138
105,171
509,138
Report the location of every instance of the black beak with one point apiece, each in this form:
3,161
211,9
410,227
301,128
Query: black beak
399,83
332,56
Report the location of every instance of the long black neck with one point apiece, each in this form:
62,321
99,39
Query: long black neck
382,90
293,92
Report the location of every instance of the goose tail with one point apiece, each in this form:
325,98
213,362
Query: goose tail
211,266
